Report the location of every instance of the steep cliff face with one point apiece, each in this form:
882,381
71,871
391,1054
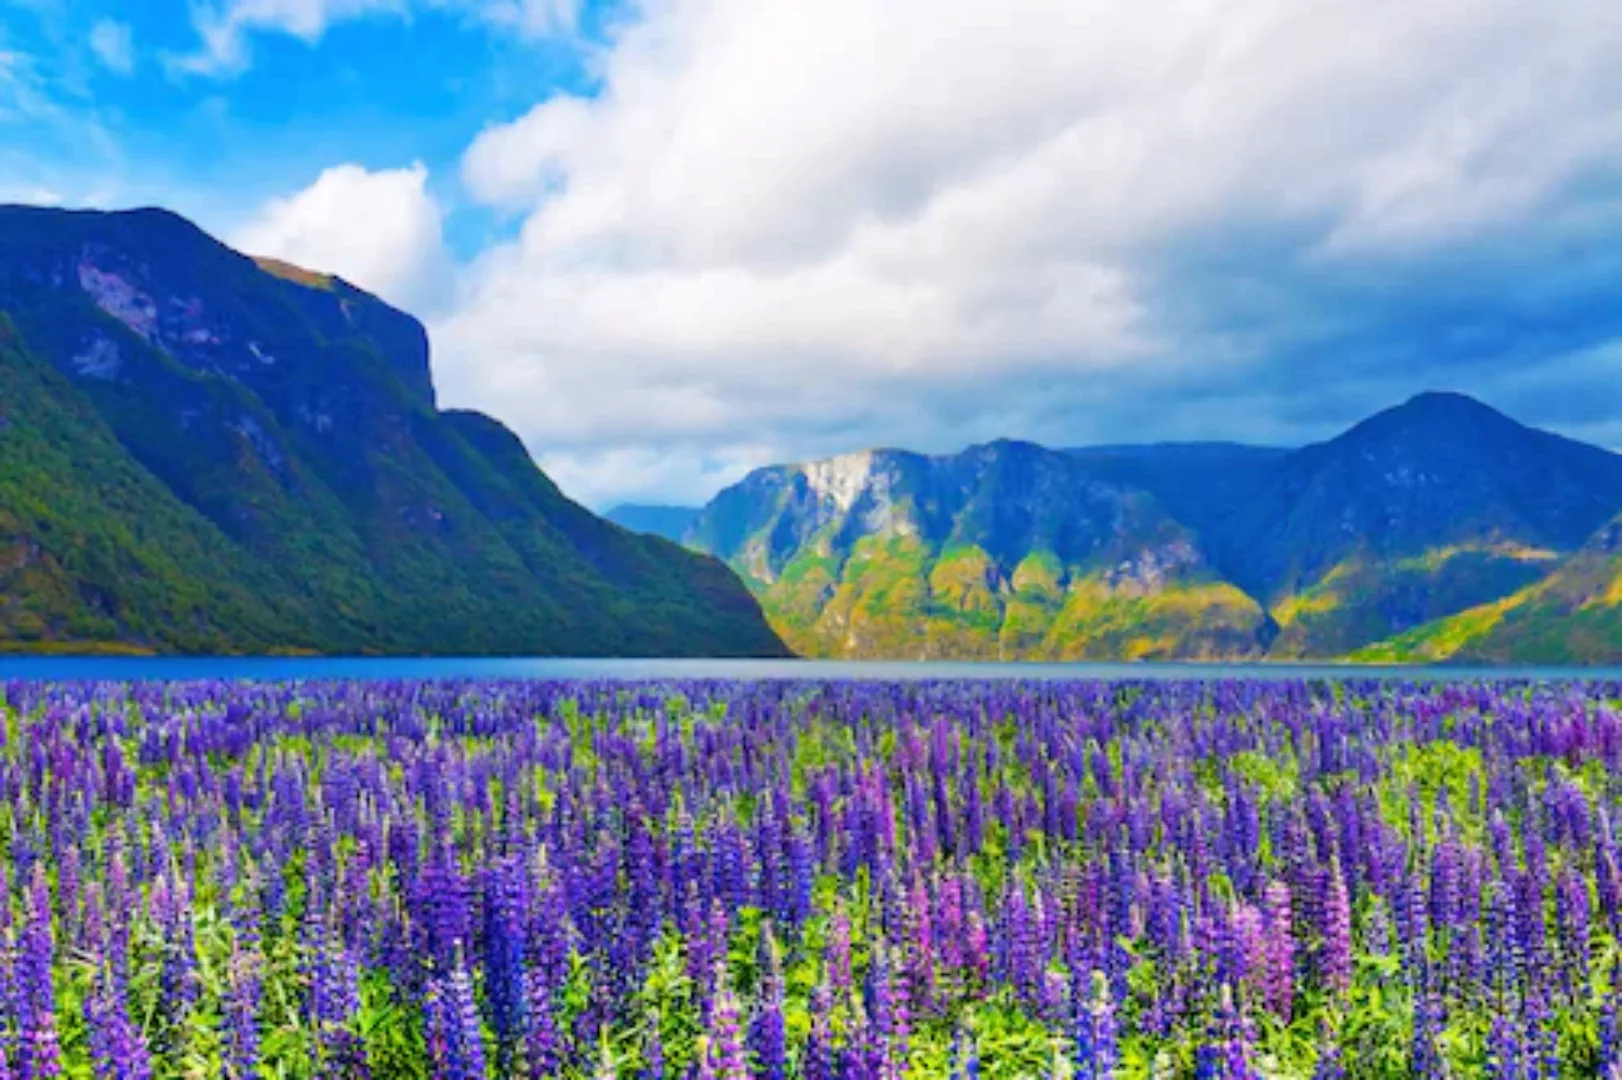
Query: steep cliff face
295,415
1004,550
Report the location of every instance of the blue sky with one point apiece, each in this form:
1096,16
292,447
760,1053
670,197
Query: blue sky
671,240
120,103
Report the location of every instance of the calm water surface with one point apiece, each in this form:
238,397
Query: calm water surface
59,668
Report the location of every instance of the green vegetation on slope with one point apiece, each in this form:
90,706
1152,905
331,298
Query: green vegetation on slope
894,597
284,425
1437,508
93,549
1573,615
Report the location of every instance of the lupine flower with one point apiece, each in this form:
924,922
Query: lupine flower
38,1051
1080,853
117,1051
1337,929
768,1035
241,1005
1095,1029
454,1039
724,1051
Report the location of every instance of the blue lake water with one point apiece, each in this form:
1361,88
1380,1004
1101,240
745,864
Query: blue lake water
120,668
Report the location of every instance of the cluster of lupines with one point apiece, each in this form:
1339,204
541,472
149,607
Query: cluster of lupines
843,880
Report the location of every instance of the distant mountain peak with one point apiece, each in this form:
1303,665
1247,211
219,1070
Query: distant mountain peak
1440,407
1449,402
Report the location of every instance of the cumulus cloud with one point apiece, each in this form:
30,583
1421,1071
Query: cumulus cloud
380,231
113,45
226,26
784,224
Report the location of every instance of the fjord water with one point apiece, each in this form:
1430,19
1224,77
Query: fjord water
548,668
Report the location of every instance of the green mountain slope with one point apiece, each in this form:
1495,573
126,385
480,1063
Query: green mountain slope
1571,616
292,418
94,549
1006,550
1421,511
1196,550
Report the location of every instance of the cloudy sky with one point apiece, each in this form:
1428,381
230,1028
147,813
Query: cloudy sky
669,241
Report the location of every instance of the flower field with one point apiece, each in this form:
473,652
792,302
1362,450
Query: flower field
841,880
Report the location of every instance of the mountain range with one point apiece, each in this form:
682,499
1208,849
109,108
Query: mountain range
204,452
1437,530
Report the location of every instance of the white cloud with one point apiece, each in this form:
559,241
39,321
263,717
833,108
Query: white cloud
225,26
689,476
378,230
786,219
113,45
30,195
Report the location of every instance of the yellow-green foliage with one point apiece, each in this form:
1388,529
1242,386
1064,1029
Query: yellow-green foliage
962,581
895,597
1438,640
1195,620
1362,600
1570,616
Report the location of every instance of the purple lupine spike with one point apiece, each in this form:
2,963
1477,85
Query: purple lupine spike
1610,1033
1094,1029
1222,1047
1543,1042
768,1036
1425,1058
1608,886
504,905
241,1005
38,1050
818,1061
455,1042
1505,1054
888,1014
1238,1037
1279,949
837,953
704,1068
1572,920
1336,961
117,1051
444,911
725,1051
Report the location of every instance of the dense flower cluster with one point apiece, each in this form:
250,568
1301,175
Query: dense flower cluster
845,880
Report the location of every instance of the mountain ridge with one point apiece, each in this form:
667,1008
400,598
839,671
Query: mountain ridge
293,418
1422,511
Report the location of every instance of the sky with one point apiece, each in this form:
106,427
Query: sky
670,241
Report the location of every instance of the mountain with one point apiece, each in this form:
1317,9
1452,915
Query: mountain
202,452
1197,550
1420,511
670,522
1573,615
1196,482
1003,550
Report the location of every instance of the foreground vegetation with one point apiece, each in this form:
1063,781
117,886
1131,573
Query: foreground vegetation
735,880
